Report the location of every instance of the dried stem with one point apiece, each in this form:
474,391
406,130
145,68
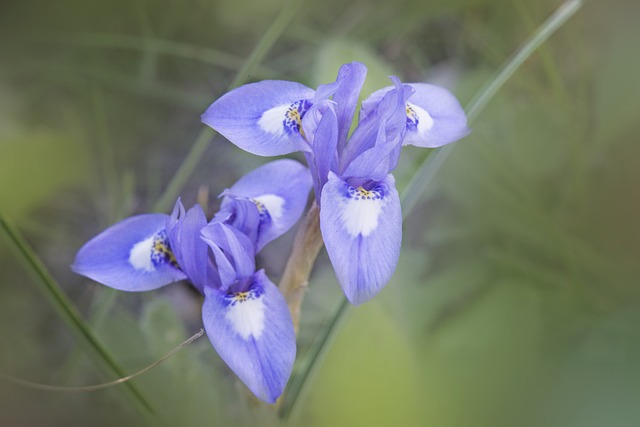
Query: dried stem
306,247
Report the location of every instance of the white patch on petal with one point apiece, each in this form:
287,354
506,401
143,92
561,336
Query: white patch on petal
140,255
247,317
273,204
272,121
419,122
360,214
425,121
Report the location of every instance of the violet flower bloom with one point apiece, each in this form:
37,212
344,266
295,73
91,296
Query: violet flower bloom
266,202
244,314
360,216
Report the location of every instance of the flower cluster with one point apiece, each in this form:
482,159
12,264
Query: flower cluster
360,216
244,314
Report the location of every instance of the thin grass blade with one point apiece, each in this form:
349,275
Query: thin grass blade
416,188
428,169
69,313
202,141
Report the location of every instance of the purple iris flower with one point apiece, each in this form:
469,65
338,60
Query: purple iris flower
244,314
266,202
360,215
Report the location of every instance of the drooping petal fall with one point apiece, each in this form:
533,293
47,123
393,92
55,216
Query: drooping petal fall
132,255
362,231
263,118
434,115
253,333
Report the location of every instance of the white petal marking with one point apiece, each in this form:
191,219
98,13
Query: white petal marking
419,122
247,317
140,255
274,205
360,215
272,121
425,121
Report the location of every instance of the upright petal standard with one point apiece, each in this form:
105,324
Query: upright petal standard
244,314
360,216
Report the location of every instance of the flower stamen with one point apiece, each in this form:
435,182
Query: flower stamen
233,298
293,116
161,250
412,118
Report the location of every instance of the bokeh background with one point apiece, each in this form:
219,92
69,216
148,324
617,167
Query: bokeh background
517,297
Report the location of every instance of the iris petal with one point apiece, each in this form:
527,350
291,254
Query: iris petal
344,92
232,246
324,143
253,333
376,162
191,252
449,122
132,255
379,130
262,118
434,115
280,190
351,77
362,231
241,213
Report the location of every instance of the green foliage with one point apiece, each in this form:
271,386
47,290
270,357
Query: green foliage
516,298
52,162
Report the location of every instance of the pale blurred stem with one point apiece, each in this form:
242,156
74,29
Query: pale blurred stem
306,247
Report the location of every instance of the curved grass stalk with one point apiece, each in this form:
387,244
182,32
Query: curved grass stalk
52,290
431,164
416,187
69,313
150,44
201,143
102,386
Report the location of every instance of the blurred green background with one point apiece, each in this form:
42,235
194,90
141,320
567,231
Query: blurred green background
517,298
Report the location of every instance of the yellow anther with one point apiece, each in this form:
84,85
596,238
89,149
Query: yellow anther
241,296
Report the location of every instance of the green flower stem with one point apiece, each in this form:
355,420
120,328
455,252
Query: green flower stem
414,190
427,170
151,44
201,143
69,313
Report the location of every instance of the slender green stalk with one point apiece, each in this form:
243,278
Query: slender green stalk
68,312
102,386
51,289
112,189
427,170
417,186
149,58
201,143
319,347
75,75
148,43
106,156
184,171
